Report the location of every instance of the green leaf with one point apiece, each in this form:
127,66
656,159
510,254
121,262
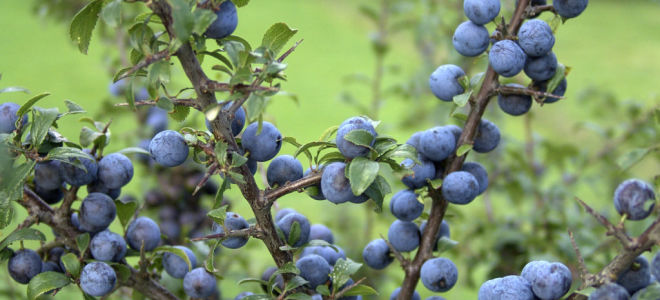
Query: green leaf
221,151
67,155
403,151
463,149
294,233
464,81
11,186
234,50
377,191
125,211
122,271
71,264
294,283
360,137
5,254
82,241
361,289
203,18
328,133
111,13
305,148
12,89
240,3
165,103
218,215
46,282
178,252
556,79
83,24
255,106
445,244
183,20
277,36
323,290
219,195
462,99
42,120
288,268
180,113
22,234
237,160
209,264
28,104
134,150
361,173
259,297
650,292
342,272
159,73
631,158
73,108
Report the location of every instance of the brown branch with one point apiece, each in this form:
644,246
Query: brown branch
252,231
180,102
454,163
510,90
617,231
532,11
584,273
402,260
226,87
348,288
221,130
150,59
288,52
296,186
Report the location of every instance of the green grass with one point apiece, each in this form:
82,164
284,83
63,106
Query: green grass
613,46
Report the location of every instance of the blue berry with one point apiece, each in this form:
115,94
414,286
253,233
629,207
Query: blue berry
421,172
507,58
78,177
49,196
481,11
263,146
335,186
404,236
471,39
405,206
414,139
143,230
97,279
47,175
396,292
287,222
233,221
541,68
513,104
199,284
569,8
610,291
510,287
97,211
479,173
23,265
49,266
115,170
655,265
636,277
487,137
535,38
108,246
225,23
548,280
635,198
437,143
377,254
439,274
314,269
444,82
177,266
156,118
98,187
315,191
283,212
8,117
442,232
283,169
321,232
328,253
347,148
460,187
168,148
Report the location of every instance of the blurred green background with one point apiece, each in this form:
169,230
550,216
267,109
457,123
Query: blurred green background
612,48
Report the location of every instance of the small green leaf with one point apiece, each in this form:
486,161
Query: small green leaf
111,13
294,283
209,264
219,195
377,191
277,36
462,99
323,290
71,264
464,81
122,271
11,186
82,240
463,149
554,82
83,24
73,108
183,20
46,282
294,233
203,18
234,50
218,215
180,113
631,158
42,121
360,137
255,106
650,292
165,104
240,3
328,133
125,211
28,104
361,173
305,148
403,151
66,154
342,272
361,289
22,234
445,244
12,89
221,151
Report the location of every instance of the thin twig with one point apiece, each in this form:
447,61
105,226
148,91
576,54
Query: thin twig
290,187
584,273
348,288
616,231
252,231
510,90
402,260
179,102
146,62
288,52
